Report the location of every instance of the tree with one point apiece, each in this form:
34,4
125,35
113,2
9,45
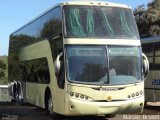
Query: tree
140,17
148,20
2,74
2,65
51,28
153,17
2,68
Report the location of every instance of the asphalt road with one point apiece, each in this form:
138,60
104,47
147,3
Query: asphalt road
13,111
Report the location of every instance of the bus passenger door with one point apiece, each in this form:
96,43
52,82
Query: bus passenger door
59,74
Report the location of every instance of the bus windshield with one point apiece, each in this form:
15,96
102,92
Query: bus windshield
92,64
99,22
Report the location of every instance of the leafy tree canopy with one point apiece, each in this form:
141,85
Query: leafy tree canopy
2,65
148,19
2,68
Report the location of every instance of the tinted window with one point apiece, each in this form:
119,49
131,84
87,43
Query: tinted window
100,22
89,64
124,64
148,49
36,70
152,50
86,63
48,25
157,56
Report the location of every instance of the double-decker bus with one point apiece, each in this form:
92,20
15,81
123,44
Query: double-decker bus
80,58
151,47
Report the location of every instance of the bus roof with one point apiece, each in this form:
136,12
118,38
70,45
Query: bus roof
85,2
150,39
95,3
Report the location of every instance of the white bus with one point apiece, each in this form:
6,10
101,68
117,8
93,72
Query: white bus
80,58
151,47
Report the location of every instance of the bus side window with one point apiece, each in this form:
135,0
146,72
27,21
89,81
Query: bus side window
157,56
35,70
148,49
23,72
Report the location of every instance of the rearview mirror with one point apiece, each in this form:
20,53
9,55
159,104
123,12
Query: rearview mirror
145,65
58,63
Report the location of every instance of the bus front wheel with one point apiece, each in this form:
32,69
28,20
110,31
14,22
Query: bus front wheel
49,104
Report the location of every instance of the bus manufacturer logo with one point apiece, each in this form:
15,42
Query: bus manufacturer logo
109,98
109,89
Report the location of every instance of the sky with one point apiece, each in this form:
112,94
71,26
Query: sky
16,13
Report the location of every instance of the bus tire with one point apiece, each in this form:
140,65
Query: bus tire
50,105
110,116
14,92
19,93
48,102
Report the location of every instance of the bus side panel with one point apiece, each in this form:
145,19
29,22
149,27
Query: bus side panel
35,91
35,94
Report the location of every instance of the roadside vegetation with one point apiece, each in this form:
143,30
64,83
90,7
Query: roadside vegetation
148,19
3,70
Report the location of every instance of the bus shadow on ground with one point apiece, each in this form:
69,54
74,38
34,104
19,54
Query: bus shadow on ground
152,107
81,118
155,110
18,111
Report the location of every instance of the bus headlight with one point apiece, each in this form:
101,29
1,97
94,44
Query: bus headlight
129,96
133,95
136,94
141,92
71,94
82,96
86,97
79,96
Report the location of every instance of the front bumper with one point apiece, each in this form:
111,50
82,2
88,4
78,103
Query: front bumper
79,107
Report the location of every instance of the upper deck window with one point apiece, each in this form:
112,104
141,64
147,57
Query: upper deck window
99,22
